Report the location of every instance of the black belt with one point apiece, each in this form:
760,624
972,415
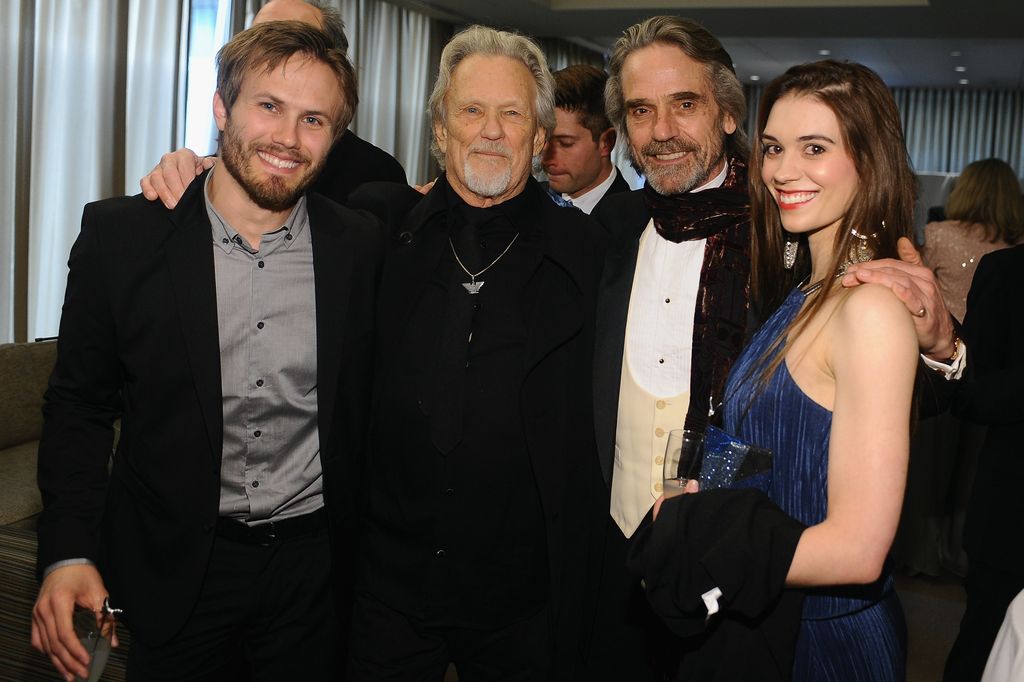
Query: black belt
273,531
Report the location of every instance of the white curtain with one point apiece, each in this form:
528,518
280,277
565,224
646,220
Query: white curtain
395,52
153,41
561,53
73,100
93,77
10,26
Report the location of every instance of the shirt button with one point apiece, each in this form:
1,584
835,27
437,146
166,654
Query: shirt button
668,300
659,460
259,382
259,325
439,554
288,236
657,487
255,484
661,361
260,265
257,433
225,240
659,432
660,404
449,492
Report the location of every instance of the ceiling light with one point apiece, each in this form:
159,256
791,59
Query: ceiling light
824,53
959,69
964,81
954,53
755,78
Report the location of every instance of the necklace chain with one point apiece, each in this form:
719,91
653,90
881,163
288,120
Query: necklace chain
473,276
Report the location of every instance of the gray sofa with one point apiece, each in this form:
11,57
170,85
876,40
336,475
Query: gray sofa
24,371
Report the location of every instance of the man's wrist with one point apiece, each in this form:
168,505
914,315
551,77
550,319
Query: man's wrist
952,367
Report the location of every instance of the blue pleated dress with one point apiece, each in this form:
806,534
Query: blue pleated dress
850,633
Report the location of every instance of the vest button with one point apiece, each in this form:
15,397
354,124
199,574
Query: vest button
659,460
657,487
660,404
659,432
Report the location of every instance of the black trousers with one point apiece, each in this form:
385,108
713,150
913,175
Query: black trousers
629,642
389,646
989,593
263,613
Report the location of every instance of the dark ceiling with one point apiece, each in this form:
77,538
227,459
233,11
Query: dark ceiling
909,45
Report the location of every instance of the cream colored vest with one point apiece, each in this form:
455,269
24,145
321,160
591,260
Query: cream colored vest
641,432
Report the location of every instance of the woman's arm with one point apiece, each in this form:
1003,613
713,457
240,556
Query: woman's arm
871,351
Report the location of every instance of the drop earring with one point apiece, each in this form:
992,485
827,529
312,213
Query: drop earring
789,254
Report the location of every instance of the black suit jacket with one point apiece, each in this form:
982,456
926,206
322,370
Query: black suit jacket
993,395
139,340
555,393
352,162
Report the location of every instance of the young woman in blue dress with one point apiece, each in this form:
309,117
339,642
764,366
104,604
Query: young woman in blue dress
827,382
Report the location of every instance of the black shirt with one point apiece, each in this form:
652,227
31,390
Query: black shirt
461,534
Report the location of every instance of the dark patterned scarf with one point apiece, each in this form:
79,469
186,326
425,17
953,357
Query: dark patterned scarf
722,216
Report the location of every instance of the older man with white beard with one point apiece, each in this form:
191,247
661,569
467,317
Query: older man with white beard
482,481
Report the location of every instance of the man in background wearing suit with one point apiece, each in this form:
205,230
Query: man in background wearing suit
352,160
231,336
577,157
992,396
673,310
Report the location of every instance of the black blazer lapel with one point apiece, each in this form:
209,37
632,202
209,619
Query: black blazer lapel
189,255
627,224
411,259
332,277
557,313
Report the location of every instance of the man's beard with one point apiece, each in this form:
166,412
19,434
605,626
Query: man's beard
272,193
691,172
483,184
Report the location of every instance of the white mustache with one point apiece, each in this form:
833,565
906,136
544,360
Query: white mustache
494,148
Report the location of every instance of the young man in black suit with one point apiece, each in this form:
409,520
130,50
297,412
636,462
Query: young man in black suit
578,155
352,160
482,486
231,336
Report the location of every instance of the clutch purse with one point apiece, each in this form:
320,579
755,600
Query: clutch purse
731,463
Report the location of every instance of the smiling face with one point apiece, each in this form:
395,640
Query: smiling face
277,134
490,133
807,167
676,129
574,162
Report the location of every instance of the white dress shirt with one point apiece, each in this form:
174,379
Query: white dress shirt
659,341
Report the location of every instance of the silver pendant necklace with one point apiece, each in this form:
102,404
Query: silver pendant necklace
473,286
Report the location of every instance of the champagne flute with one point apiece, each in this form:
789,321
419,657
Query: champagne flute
683,454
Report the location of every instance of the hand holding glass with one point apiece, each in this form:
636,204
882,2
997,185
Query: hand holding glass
683,454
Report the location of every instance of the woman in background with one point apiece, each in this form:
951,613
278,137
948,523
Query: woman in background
827,382
984,212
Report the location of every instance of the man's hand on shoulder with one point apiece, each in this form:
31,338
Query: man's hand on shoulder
174,173
913,283
52,631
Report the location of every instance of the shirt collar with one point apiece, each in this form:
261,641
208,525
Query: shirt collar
716,181
588,200
227,238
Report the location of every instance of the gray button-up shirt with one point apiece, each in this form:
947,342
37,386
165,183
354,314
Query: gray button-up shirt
266,310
